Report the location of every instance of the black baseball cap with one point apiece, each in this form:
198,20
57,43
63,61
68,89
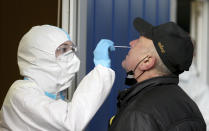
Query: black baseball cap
172,43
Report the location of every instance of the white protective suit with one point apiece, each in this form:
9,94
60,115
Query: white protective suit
27,108
197,90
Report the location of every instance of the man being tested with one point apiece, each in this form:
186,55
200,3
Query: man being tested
155,102
48,63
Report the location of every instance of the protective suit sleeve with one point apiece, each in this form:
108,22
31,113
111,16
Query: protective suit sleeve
101,53
89,96
25,107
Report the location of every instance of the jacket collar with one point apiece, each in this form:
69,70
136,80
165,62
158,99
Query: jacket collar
125,95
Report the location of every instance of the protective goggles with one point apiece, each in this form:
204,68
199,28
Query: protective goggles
65,47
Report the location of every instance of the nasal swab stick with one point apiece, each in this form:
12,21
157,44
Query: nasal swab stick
122,46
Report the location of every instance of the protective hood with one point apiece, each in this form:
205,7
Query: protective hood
37,60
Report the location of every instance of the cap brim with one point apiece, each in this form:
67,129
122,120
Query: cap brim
143,27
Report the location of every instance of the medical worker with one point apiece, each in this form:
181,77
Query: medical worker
47,61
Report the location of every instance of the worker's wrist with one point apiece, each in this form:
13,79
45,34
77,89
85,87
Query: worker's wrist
105,63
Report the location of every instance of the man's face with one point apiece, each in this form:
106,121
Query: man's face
139,48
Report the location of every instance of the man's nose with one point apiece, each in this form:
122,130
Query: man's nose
132,43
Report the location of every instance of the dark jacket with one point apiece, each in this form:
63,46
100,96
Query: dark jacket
157,104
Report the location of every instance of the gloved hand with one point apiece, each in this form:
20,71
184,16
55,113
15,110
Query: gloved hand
101,52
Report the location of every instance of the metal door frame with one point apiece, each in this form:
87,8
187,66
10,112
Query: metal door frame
74,21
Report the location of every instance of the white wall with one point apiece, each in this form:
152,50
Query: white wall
208,46
199,32
173,10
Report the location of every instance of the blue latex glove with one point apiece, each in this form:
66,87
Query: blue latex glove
101,53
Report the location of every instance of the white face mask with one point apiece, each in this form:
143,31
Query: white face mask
69,64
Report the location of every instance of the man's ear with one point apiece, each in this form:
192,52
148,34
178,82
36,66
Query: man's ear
148,63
